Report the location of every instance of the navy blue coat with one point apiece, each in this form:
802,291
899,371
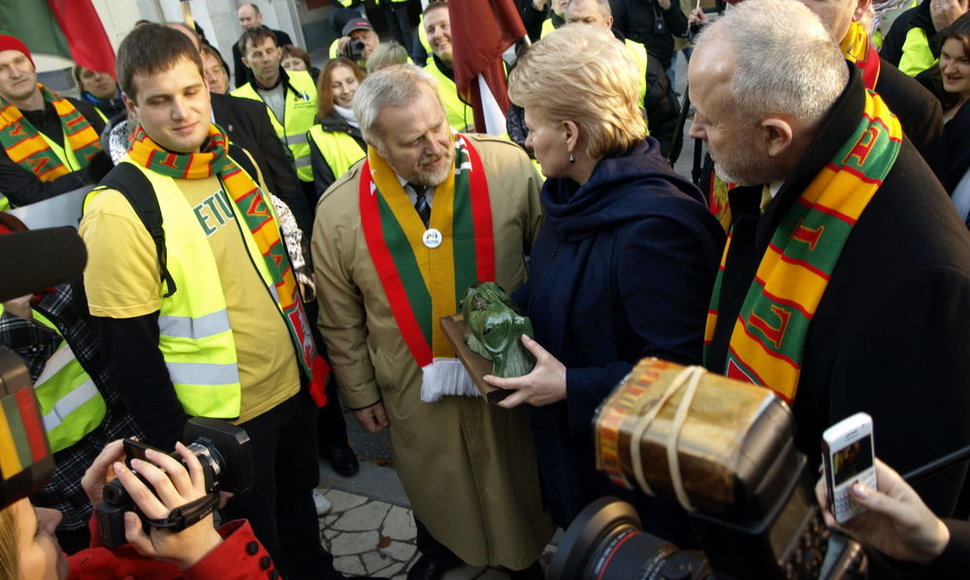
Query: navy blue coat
623,269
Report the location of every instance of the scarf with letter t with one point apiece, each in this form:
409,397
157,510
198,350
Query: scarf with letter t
252,205
768,339
423,283
26,146
857,49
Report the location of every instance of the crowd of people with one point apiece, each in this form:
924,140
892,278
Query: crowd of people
273,253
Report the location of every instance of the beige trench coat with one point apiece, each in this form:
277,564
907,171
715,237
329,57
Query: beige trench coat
469,468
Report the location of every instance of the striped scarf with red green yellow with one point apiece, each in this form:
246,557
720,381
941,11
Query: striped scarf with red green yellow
252,205
768,339
424,284
26,146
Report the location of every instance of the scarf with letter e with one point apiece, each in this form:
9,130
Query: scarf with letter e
26,146
857,49
768,339
252,205
423,284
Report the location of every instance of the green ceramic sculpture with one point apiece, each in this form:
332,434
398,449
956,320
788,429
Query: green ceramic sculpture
494,327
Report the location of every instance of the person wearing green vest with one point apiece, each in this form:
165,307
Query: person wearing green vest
357,41
335,142
290,96
437,24
223,334
48,144
908,45
81,409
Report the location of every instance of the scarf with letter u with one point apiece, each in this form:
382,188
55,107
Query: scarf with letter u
768,339
26,146
423,284
252,205
857,49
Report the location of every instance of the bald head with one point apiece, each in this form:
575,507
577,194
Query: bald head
249,16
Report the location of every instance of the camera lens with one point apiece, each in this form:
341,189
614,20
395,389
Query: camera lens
606,542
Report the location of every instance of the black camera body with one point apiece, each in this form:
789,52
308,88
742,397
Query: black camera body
222,448
355,49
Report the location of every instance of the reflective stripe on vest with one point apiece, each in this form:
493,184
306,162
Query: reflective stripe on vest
917,55
299,113
70,403
458,113
339,149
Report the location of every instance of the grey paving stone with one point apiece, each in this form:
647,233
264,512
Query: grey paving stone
375,561
343,501
349,565
400,551
330,533
399,524
368,516
347,544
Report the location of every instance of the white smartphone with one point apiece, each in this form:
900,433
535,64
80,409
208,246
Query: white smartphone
848,456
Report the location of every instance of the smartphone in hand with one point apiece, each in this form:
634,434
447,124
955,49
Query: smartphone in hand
848,456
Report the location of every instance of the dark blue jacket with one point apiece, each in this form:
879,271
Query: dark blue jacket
622,269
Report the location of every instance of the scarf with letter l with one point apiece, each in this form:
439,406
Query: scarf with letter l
768,339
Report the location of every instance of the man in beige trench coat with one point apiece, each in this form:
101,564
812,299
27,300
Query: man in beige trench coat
436,211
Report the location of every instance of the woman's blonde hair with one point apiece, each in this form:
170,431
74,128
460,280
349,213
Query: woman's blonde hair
9,549
582,73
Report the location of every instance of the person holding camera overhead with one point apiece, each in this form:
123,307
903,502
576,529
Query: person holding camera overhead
623,266
205,318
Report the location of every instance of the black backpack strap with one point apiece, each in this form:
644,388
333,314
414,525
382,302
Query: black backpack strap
132,183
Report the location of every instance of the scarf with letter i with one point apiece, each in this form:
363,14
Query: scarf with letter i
424,283
253,206
26,146
768,340
857,49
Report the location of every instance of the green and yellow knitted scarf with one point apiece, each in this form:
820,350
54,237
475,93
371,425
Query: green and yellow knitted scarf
768,339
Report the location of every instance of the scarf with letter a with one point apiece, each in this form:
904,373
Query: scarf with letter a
26,146
768,339
857,49
423,284
252,205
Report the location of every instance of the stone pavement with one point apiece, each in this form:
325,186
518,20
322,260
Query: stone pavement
370,530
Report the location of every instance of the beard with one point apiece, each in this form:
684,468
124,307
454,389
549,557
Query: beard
436,176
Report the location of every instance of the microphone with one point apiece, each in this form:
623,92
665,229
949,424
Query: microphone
32,261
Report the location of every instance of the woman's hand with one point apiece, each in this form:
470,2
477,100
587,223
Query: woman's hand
174,486
897,522
546,384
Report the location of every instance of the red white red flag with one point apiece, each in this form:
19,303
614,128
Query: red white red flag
481,30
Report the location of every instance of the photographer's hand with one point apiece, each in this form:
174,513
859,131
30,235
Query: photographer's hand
897,522
174,487
546,384
101,472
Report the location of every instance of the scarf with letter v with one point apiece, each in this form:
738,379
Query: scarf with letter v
768,339
252,205
26,146
857,49
424,283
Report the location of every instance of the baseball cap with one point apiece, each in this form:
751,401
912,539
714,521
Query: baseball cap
356,24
